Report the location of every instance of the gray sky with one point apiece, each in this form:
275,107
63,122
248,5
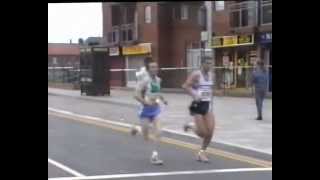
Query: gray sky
73,21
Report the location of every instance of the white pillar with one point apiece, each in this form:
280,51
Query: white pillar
208,5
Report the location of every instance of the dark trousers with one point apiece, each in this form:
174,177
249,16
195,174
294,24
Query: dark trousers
259,95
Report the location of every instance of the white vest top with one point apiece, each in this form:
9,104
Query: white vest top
204,87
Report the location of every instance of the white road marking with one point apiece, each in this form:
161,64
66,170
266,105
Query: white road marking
153,174
164,129
65,168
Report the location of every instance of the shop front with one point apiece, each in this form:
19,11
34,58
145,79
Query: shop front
236,54
135,59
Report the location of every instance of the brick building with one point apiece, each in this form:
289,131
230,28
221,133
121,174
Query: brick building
243,34
162,30
166,30
62,55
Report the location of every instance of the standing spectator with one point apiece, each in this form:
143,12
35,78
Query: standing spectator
260,82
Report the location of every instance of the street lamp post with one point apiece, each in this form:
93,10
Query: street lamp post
208,5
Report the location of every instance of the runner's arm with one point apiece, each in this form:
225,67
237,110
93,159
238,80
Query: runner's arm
140,91
161,96
163,100
188,85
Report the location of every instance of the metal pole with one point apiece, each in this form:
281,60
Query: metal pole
208,5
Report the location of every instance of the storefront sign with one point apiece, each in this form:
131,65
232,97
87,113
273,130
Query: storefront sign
245,39
144,48
266,37
230,41
85,50
114,51
204,35
100,49
217,41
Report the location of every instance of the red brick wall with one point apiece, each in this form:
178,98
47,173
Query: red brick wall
165,36
174,37
221,23
148,32
106,18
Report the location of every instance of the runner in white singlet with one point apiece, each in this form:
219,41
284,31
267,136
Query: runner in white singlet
200,87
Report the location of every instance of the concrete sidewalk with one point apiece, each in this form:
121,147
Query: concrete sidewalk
234,116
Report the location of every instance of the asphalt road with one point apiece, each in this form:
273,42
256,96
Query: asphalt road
95,150
233,124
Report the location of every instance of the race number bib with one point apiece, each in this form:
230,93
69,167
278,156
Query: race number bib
205,94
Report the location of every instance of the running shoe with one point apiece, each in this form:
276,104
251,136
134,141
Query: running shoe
155,160
259,118
134,130
201,156
187,126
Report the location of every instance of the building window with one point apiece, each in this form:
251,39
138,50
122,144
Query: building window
116,15
147,14
124,35
235,21
184,12
110,40
202,18
266,12
219,5
54,61
244,17
130,34
243,14
130,14
176,12
113,36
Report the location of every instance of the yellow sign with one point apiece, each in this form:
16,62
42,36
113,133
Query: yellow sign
144,48
230,41
245,39
217,42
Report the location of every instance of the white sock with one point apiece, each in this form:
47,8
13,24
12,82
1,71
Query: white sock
154,153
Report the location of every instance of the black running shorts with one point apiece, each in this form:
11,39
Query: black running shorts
199,107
